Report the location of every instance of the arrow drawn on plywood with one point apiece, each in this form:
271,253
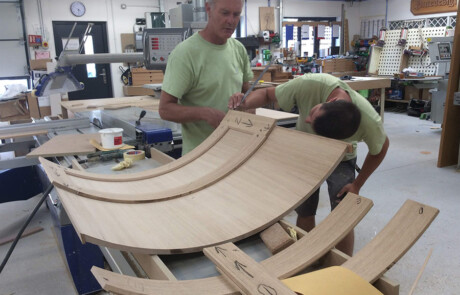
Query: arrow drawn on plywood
241,267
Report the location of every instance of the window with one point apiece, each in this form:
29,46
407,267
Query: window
4,83
307,42
89,49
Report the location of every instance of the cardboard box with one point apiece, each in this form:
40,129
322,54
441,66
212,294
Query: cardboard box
141,76
338,65
267,77
14,109
137,90
39,64
38,108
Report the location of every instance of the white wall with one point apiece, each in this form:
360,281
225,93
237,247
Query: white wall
397,10
400,10
122,20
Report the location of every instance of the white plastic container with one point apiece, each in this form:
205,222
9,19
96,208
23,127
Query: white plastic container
111,138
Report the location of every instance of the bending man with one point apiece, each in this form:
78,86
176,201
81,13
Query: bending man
328,107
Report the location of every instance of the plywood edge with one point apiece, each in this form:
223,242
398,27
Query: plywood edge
393,241
23,134
154,267
160,157
316,244
190,157
179,191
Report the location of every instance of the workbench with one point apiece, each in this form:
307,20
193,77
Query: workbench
146,102
359,83
362,83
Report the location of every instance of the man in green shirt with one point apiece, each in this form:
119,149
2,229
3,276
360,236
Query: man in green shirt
202,72
328,107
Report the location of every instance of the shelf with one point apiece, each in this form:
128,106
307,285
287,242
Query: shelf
397,100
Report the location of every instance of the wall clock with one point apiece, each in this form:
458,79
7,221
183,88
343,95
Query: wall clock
77,8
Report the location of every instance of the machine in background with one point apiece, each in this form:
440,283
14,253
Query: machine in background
440,53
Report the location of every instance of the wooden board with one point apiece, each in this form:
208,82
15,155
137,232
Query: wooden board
267,18
245,176
284,264
360,83
249,276
26,233
23,134
450,141
374,259
396,238
146,102
419,7
65,145
277,115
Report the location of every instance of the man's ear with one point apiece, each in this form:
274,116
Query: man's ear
333,99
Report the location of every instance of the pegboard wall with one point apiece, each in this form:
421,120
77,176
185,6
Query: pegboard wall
391,54
415,37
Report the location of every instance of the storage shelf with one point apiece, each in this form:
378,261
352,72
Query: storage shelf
397,100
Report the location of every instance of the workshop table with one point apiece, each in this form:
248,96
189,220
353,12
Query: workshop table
358,83
147,102
362,83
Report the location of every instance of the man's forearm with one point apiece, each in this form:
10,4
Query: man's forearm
182,114
257,99
370,164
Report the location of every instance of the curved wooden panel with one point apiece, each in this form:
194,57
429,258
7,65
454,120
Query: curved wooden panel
268,172
404,229
396,238
281,265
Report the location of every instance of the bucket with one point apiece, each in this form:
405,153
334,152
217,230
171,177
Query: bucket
111,138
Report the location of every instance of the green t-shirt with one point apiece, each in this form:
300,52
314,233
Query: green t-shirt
311,89
200,73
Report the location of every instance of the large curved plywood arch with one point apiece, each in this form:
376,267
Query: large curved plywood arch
245,176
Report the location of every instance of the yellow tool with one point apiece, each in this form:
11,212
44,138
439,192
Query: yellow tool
126,163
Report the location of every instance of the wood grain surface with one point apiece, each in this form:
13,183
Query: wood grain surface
225,190
284,264
66,144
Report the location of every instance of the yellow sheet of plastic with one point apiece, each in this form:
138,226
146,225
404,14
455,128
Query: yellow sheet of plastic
334,280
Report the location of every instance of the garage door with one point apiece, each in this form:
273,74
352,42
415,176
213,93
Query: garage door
12,44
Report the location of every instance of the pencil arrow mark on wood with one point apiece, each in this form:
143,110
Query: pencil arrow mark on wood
220,250
266,290
249,123
241,267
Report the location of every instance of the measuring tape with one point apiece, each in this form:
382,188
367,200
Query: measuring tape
134,155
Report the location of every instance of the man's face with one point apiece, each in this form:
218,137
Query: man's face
223,17
315,112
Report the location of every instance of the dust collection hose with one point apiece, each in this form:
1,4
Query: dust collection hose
45,194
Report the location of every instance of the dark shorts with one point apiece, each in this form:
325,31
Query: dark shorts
341,176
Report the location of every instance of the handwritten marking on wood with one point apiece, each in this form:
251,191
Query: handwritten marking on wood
249,276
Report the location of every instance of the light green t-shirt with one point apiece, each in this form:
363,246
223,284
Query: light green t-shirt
311,89
200,73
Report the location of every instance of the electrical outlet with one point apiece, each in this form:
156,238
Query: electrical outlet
457,98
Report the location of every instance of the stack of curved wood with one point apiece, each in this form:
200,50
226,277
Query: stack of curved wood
247,175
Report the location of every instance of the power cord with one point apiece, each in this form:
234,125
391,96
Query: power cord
16,240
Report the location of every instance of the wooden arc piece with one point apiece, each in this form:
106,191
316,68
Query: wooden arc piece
251,193
408,224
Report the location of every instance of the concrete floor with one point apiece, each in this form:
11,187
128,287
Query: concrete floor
408,172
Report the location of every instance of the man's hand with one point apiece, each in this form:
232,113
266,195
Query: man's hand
349,188
213,116
235,101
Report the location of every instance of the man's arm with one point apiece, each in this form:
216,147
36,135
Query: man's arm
370,164
170,110
255,99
